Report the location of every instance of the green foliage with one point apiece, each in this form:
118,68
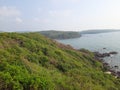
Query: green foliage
29,61
44,60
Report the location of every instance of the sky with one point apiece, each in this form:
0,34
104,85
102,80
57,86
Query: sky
66,15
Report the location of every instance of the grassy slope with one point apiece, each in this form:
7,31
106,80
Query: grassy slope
30,61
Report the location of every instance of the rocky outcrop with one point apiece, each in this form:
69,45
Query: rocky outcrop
108,70
113,52
102,55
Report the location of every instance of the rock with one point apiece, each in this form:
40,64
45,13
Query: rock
102,55
113,72
105,64
108,72
116,66
113,52
118,73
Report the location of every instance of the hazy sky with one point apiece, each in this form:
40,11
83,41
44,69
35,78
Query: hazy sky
36,15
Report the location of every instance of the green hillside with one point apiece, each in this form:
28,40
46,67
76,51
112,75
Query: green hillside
29,61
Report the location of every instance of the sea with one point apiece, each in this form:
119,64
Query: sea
102,42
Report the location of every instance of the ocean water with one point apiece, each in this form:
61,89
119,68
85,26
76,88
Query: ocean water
96,42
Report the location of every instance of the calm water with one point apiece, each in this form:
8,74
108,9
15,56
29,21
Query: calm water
96,42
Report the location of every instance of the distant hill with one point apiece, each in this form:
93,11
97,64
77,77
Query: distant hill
98,31
29,61
71,34
60,34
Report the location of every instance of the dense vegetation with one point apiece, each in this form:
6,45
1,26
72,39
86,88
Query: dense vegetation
29,61
60,34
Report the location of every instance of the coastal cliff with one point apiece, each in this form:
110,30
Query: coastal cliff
30,61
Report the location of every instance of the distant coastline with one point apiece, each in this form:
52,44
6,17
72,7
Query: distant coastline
53,34
98,31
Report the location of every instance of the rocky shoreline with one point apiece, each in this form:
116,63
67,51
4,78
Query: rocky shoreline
108,70
102,55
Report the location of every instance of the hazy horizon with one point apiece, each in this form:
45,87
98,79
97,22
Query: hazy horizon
66,15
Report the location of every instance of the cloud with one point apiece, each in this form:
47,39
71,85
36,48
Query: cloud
9,11
19,20
43,20
36,19
62,13
39,10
